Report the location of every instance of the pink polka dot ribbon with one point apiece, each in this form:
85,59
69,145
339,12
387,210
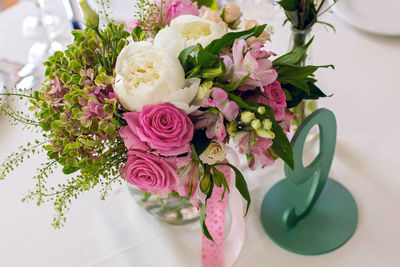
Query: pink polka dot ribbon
213,256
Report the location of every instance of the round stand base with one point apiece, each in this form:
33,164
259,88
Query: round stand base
328,226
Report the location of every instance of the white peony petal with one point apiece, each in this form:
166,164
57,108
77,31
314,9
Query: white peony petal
182,98
198,30
170,40
146,75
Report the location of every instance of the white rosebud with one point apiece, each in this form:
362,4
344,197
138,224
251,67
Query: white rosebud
248,24
231,13
214,152
210,14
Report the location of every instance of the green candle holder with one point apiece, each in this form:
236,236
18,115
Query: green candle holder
308,213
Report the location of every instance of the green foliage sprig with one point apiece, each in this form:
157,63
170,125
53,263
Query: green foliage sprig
298,81
149,15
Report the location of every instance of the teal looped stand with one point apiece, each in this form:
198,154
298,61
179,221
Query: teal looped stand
309,213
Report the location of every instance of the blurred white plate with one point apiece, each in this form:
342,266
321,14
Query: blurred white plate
378,17
122,10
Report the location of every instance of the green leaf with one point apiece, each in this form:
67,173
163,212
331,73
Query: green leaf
281,145
75,66
203,56
315,91
228,39
69,169
184,54
200,141
300,83
65,77
240,184
241,103
204,229
289,5
210,73
218,177
231,86
295,57
220,180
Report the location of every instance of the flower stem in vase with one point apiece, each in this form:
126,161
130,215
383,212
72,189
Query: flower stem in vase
305,107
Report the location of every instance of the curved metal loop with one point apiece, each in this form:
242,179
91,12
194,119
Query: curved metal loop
319,168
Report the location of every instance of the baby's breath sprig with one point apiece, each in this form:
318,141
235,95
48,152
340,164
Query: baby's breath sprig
16,158
149,15
105,10
15,116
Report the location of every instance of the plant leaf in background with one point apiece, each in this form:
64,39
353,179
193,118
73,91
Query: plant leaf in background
303,14
208,3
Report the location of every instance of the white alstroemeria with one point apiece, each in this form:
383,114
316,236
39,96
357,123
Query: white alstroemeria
198,30
148,75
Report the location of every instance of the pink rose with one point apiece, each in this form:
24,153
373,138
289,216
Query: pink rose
163,128
275,93
150,172
129,133
175,8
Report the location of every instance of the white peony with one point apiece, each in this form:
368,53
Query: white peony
148,75
198,30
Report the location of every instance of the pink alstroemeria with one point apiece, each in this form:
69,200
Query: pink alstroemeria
190,182
252,61
259,149
215,121
228,108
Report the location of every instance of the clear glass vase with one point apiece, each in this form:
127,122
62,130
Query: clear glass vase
306,107
174,209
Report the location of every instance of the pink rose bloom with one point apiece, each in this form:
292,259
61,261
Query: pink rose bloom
129,133
151,173
175,8
259,150
275,93
162,128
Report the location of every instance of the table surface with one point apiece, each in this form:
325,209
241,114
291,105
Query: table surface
116,232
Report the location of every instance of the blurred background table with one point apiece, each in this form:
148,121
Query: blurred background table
116,232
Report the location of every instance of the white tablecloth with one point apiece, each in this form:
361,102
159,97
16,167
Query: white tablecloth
116,232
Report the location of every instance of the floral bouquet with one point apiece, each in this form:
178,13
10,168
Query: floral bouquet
159,105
